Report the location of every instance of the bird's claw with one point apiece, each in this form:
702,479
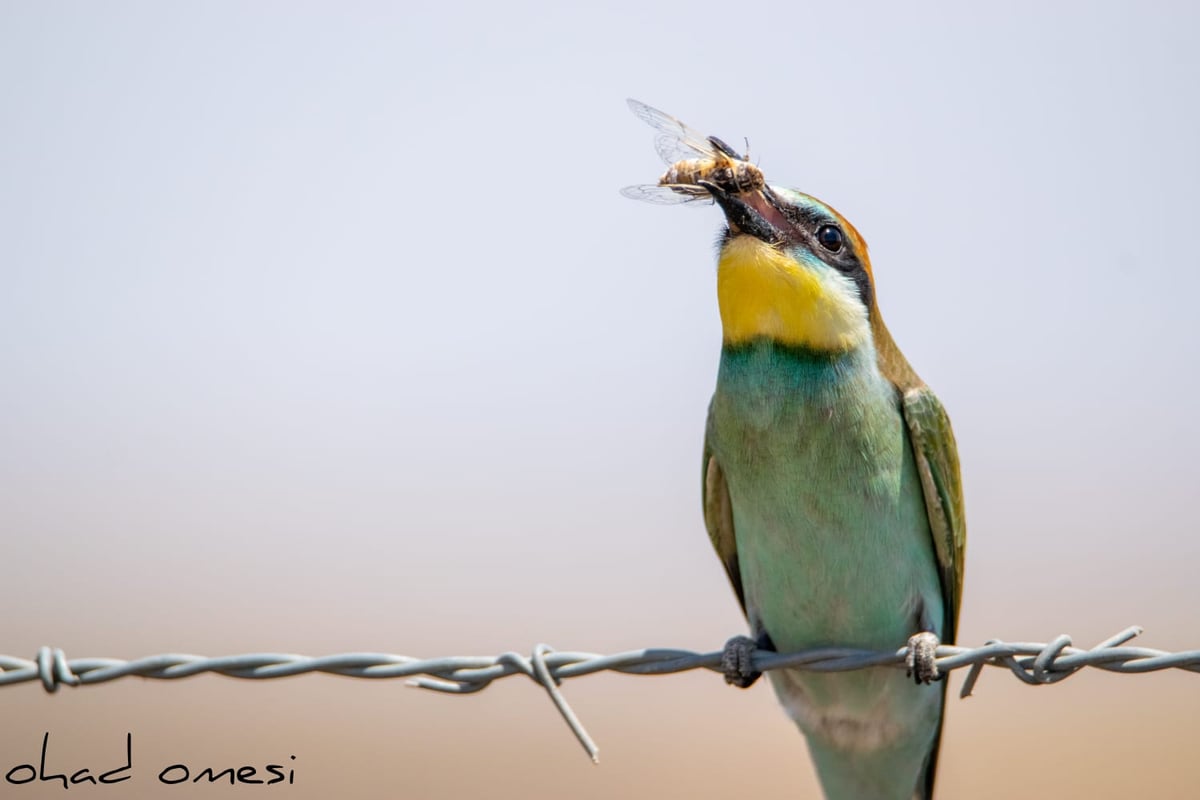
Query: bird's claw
921,658
737,662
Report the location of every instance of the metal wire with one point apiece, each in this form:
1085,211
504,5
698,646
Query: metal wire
1033,663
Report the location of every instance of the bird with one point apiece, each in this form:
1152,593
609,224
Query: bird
831,491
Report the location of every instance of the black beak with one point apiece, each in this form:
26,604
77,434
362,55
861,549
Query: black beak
742,217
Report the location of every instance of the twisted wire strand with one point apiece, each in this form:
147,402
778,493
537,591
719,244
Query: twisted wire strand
1032,662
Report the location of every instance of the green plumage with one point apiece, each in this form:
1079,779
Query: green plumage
815,501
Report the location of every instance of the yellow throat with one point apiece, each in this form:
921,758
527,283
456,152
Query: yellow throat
766,293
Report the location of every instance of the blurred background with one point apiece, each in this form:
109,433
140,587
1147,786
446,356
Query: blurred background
326,330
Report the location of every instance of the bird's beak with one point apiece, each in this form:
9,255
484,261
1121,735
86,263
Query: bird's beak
752,213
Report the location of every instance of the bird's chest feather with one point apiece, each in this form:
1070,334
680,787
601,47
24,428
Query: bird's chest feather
832,536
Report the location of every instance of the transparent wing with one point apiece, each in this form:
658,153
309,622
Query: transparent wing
675,141
669,194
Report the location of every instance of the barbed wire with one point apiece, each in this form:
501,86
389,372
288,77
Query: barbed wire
1031,662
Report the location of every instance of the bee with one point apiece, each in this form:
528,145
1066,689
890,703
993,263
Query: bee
693,157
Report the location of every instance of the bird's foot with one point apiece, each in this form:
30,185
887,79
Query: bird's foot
921,658
736,662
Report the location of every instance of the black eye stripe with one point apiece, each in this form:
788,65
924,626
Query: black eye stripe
817,231
832,240
817,223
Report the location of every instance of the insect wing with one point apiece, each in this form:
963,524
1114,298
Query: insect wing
675,141
670,194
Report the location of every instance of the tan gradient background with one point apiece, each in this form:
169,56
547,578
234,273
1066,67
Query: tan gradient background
326,330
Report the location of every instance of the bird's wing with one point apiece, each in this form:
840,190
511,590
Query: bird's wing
718,518
937,463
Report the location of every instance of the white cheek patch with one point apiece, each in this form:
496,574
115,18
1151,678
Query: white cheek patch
840,309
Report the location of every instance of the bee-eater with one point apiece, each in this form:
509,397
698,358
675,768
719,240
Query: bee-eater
831,491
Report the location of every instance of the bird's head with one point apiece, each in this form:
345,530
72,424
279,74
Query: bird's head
792,270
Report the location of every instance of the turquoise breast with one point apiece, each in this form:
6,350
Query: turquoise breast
832,534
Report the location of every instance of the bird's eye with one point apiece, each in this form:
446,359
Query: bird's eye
830,237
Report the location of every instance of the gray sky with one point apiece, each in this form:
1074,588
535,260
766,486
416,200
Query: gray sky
328,330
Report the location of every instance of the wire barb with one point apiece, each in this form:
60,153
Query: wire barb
1032,663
